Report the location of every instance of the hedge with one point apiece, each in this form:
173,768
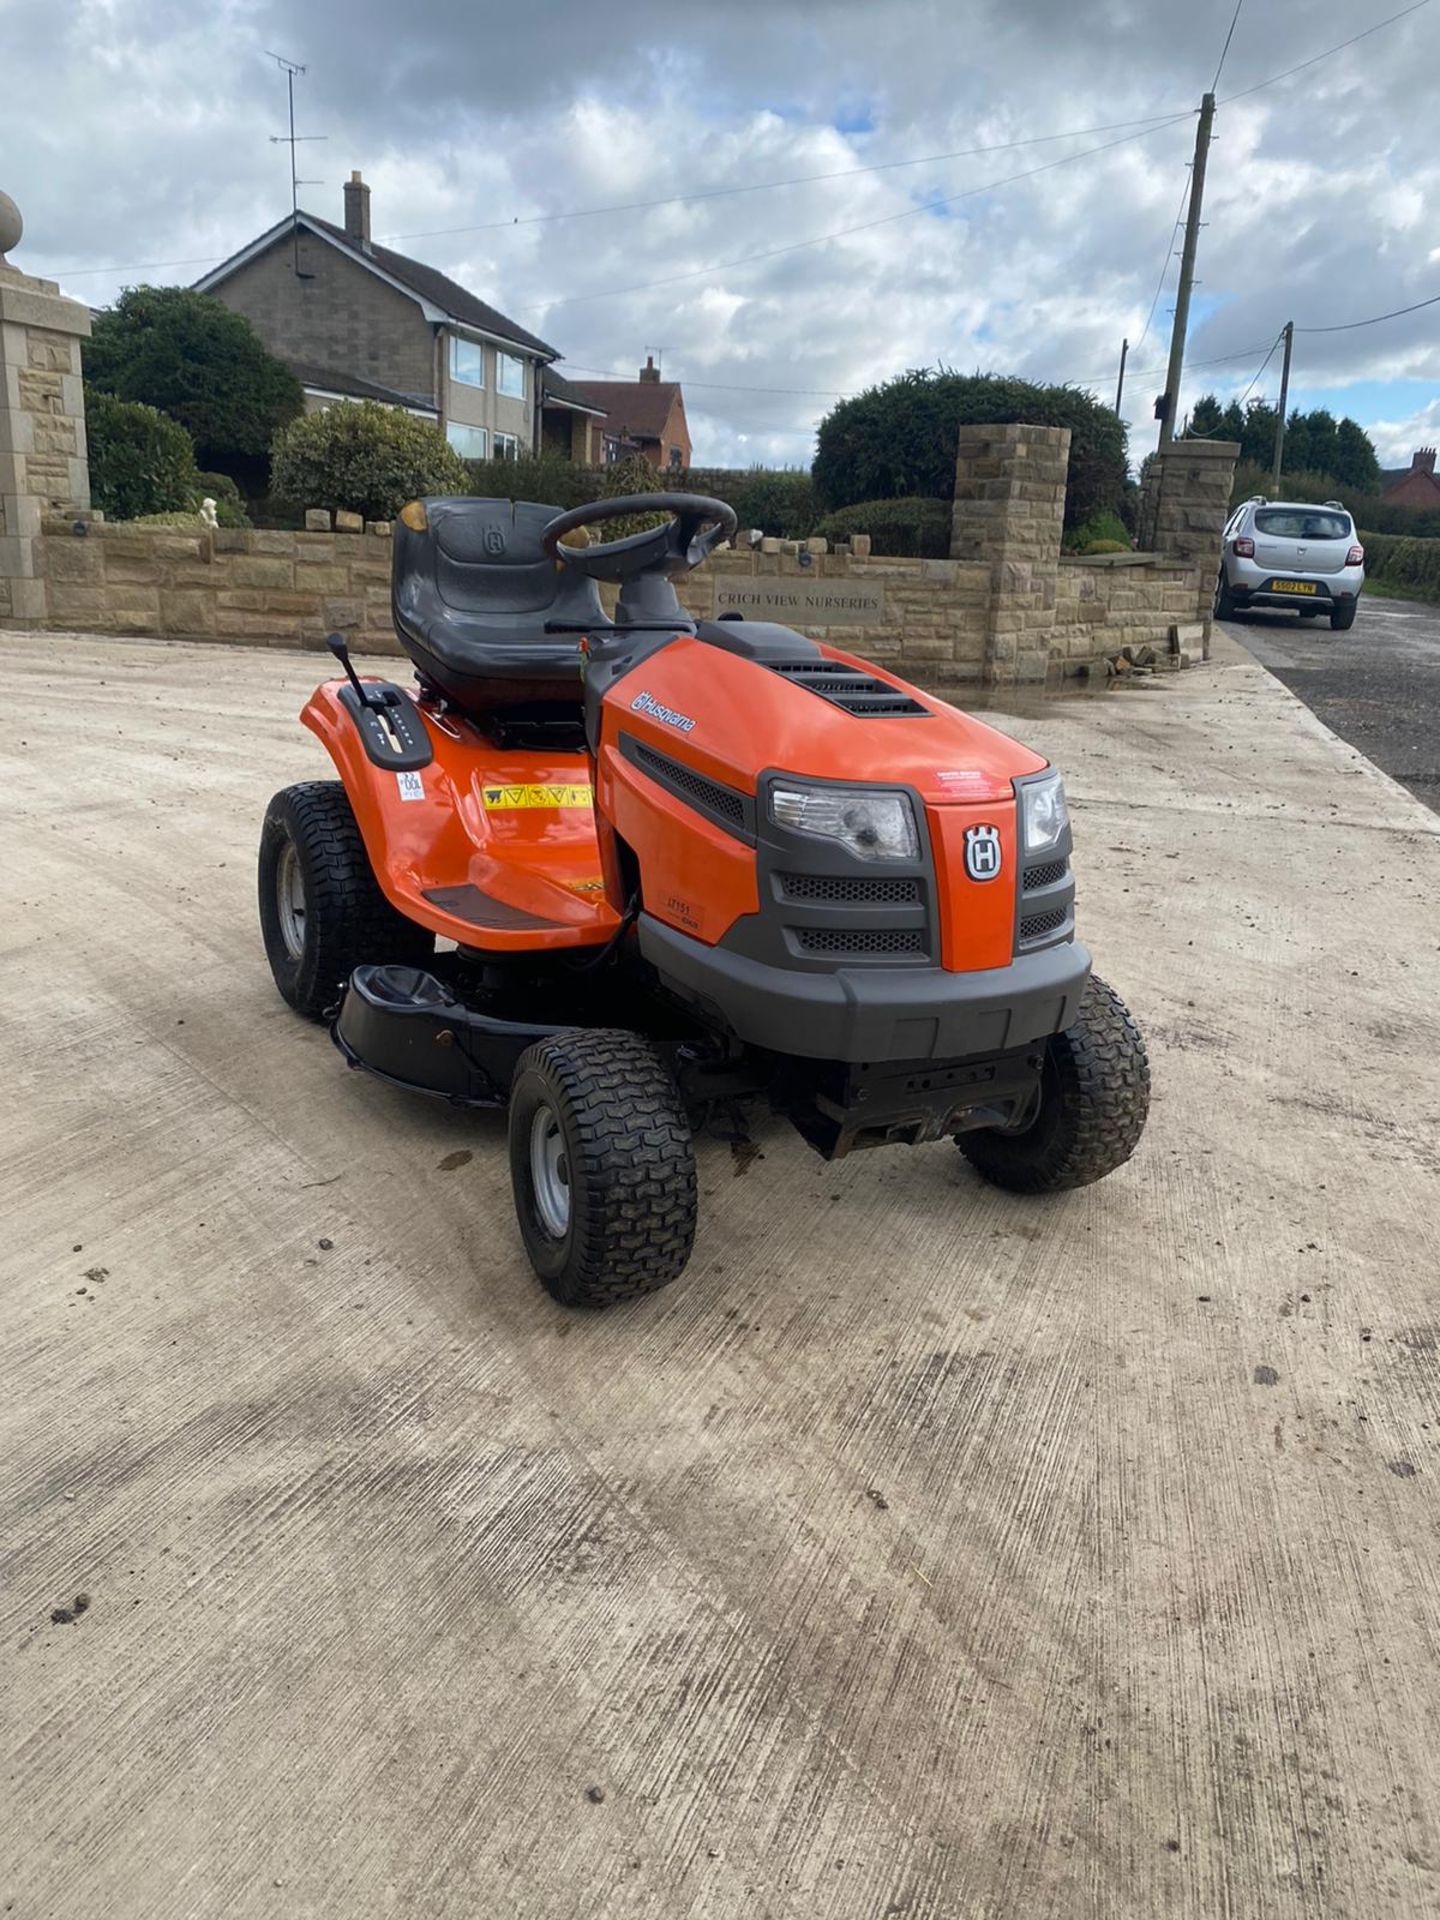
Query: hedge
901,439
913,527
1409,566
777,501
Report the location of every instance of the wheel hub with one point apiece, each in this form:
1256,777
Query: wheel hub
290,900
550,1173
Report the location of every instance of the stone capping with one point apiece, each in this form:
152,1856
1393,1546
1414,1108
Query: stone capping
1119,560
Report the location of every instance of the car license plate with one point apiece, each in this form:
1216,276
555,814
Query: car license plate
1292,586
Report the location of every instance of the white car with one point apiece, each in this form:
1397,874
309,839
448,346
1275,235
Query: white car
1290,553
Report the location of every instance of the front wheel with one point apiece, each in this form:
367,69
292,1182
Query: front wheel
322,913
1094,1098
1342,618
602,1166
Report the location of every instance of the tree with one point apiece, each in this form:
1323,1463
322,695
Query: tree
1355,462
205,366
901,439
1210,421
362,458
141,461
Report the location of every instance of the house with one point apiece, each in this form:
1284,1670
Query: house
647,415
358,321
570,424
1416,486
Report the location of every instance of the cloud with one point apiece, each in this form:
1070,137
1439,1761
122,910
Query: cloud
141,132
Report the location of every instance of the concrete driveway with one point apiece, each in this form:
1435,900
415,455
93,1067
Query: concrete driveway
925,1552
1378,685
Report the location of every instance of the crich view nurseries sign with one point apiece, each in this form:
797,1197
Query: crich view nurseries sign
806,603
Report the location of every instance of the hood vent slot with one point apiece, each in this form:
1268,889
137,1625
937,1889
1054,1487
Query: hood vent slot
846,687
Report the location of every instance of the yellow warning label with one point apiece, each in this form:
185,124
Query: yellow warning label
506,799
587,886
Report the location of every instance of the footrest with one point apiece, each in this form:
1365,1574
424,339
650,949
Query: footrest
405,1026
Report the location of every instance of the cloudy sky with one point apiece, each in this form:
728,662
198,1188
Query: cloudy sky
135,136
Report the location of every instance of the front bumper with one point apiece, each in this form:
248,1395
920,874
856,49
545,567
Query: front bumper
871,1013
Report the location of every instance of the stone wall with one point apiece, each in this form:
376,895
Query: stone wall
265,589
930,620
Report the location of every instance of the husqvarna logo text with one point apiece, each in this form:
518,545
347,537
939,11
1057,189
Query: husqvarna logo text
982,852
647,703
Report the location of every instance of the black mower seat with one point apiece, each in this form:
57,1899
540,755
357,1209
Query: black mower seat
473,595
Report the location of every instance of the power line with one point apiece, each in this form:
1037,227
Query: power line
1375,318
1155,122
1315,59
1234,18
841,233
1165,264
796,180
1150,121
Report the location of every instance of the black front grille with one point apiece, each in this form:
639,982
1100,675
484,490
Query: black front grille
1039,924
847,687
860,941
1049,875
835,890
709,795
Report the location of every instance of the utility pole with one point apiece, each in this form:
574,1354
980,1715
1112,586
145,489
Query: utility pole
1120,383
1171,395
290,68
1289,335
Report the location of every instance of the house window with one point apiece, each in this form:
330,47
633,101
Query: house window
468,442
510,375
507,446
677,459
467,362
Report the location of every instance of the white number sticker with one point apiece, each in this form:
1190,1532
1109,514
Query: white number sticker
411,786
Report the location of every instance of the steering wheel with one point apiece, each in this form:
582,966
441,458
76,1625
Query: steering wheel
670,550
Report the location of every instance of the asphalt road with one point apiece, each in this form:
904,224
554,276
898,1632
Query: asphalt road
1378,685
927,1551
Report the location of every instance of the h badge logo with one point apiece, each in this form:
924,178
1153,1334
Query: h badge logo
982,852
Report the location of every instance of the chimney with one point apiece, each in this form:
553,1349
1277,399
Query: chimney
357,212
1423,462
650,371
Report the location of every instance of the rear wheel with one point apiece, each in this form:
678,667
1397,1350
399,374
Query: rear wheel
1224,603
321,909
602,1166
1094,1098
1342,617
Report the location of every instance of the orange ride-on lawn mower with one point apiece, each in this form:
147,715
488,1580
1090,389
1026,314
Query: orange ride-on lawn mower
680,868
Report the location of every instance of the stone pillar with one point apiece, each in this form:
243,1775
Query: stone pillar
43,466
1187,505
1009,513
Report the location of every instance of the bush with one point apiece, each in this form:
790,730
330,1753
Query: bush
140,460
556,482
362,458
1101,533
1408,566
900,440
915,527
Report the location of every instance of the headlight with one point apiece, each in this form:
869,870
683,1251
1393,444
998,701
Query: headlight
872,824
1044,815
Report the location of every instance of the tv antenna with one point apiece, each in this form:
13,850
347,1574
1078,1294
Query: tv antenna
292,139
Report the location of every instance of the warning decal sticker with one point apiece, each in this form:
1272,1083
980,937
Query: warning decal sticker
507,799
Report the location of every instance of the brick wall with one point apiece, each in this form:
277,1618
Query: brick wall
340,316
